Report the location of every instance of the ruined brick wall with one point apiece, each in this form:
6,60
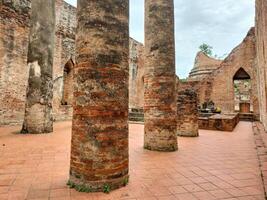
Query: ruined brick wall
261,47
203,67
219,86
14,26
14,30
242,56
187,112
64,54
136,73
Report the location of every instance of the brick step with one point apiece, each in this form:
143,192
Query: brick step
246,117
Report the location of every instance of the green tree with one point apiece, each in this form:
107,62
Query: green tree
206,49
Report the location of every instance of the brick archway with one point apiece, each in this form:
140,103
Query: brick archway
67,95
242,91
241,74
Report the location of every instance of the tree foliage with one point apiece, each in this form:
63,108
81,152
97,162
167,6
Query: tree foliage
206,49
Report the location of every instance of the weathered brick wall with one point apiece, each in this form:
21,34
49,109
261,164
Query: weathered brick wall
219,86
242,56
14,26
136,73
64,54
14,30
187,113
203,67
261,47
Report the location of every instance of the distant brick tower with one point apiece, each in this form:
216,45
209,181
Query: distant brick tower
187,113
160,78
99,146
38,111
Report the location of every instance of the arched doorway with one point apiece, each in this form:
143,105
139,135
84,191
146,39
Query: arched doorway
242,91
67,95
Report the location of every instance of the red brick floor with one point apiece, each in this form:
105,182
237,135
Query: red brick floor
217,165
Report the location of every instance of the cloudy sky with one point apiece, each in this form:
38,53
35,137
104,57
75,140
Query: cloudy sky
221,24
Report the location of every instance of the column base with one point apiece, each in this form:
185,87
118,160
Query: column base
190,134
171,148
38,130
98,186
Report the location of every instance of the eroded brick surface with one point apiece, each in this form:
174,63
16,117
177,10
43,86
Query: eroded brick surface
260,137
99,148
187,113
261,48
14,25
160,79
38,111
213,79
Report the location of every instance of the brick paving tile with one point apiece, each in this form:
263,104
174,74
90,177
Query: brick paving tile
204,195
217,165
193,188
185,196
220,194
177,190
208,186
236,192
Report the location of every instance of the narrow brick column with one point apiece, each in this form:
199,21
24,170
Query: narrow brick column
38,111
99,147
160,78
187,117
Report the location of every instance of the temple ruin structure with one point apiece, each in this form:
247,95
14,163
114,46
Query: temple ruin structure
15,23
214,80
187,113
160,79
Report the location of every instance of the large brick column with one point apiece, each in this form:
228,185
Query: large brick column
99,147
38,111
160,78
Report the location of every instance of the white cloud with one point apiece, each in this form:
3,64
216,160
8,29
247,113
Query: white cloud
221,24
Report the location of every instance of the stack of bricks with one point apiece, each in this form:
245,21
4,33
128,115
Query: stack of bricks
187,113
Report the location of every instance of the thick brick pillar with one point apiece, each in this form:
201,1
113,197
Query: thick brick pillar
187,113
99,147
160,78
38,111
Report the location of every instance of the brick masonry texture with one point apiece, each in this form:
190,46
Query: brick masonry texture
219,87
261,48
137,71
99,147
260,137
160,79
14,24
204,66
14,35
219,122
38,110
187,113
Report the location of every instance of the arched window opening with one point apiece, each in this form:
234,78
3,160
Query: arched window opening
242,91
67,95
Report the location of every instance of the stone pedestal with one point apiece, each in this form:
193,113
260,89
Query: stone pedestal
99,147
187,113
38,112
160,78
